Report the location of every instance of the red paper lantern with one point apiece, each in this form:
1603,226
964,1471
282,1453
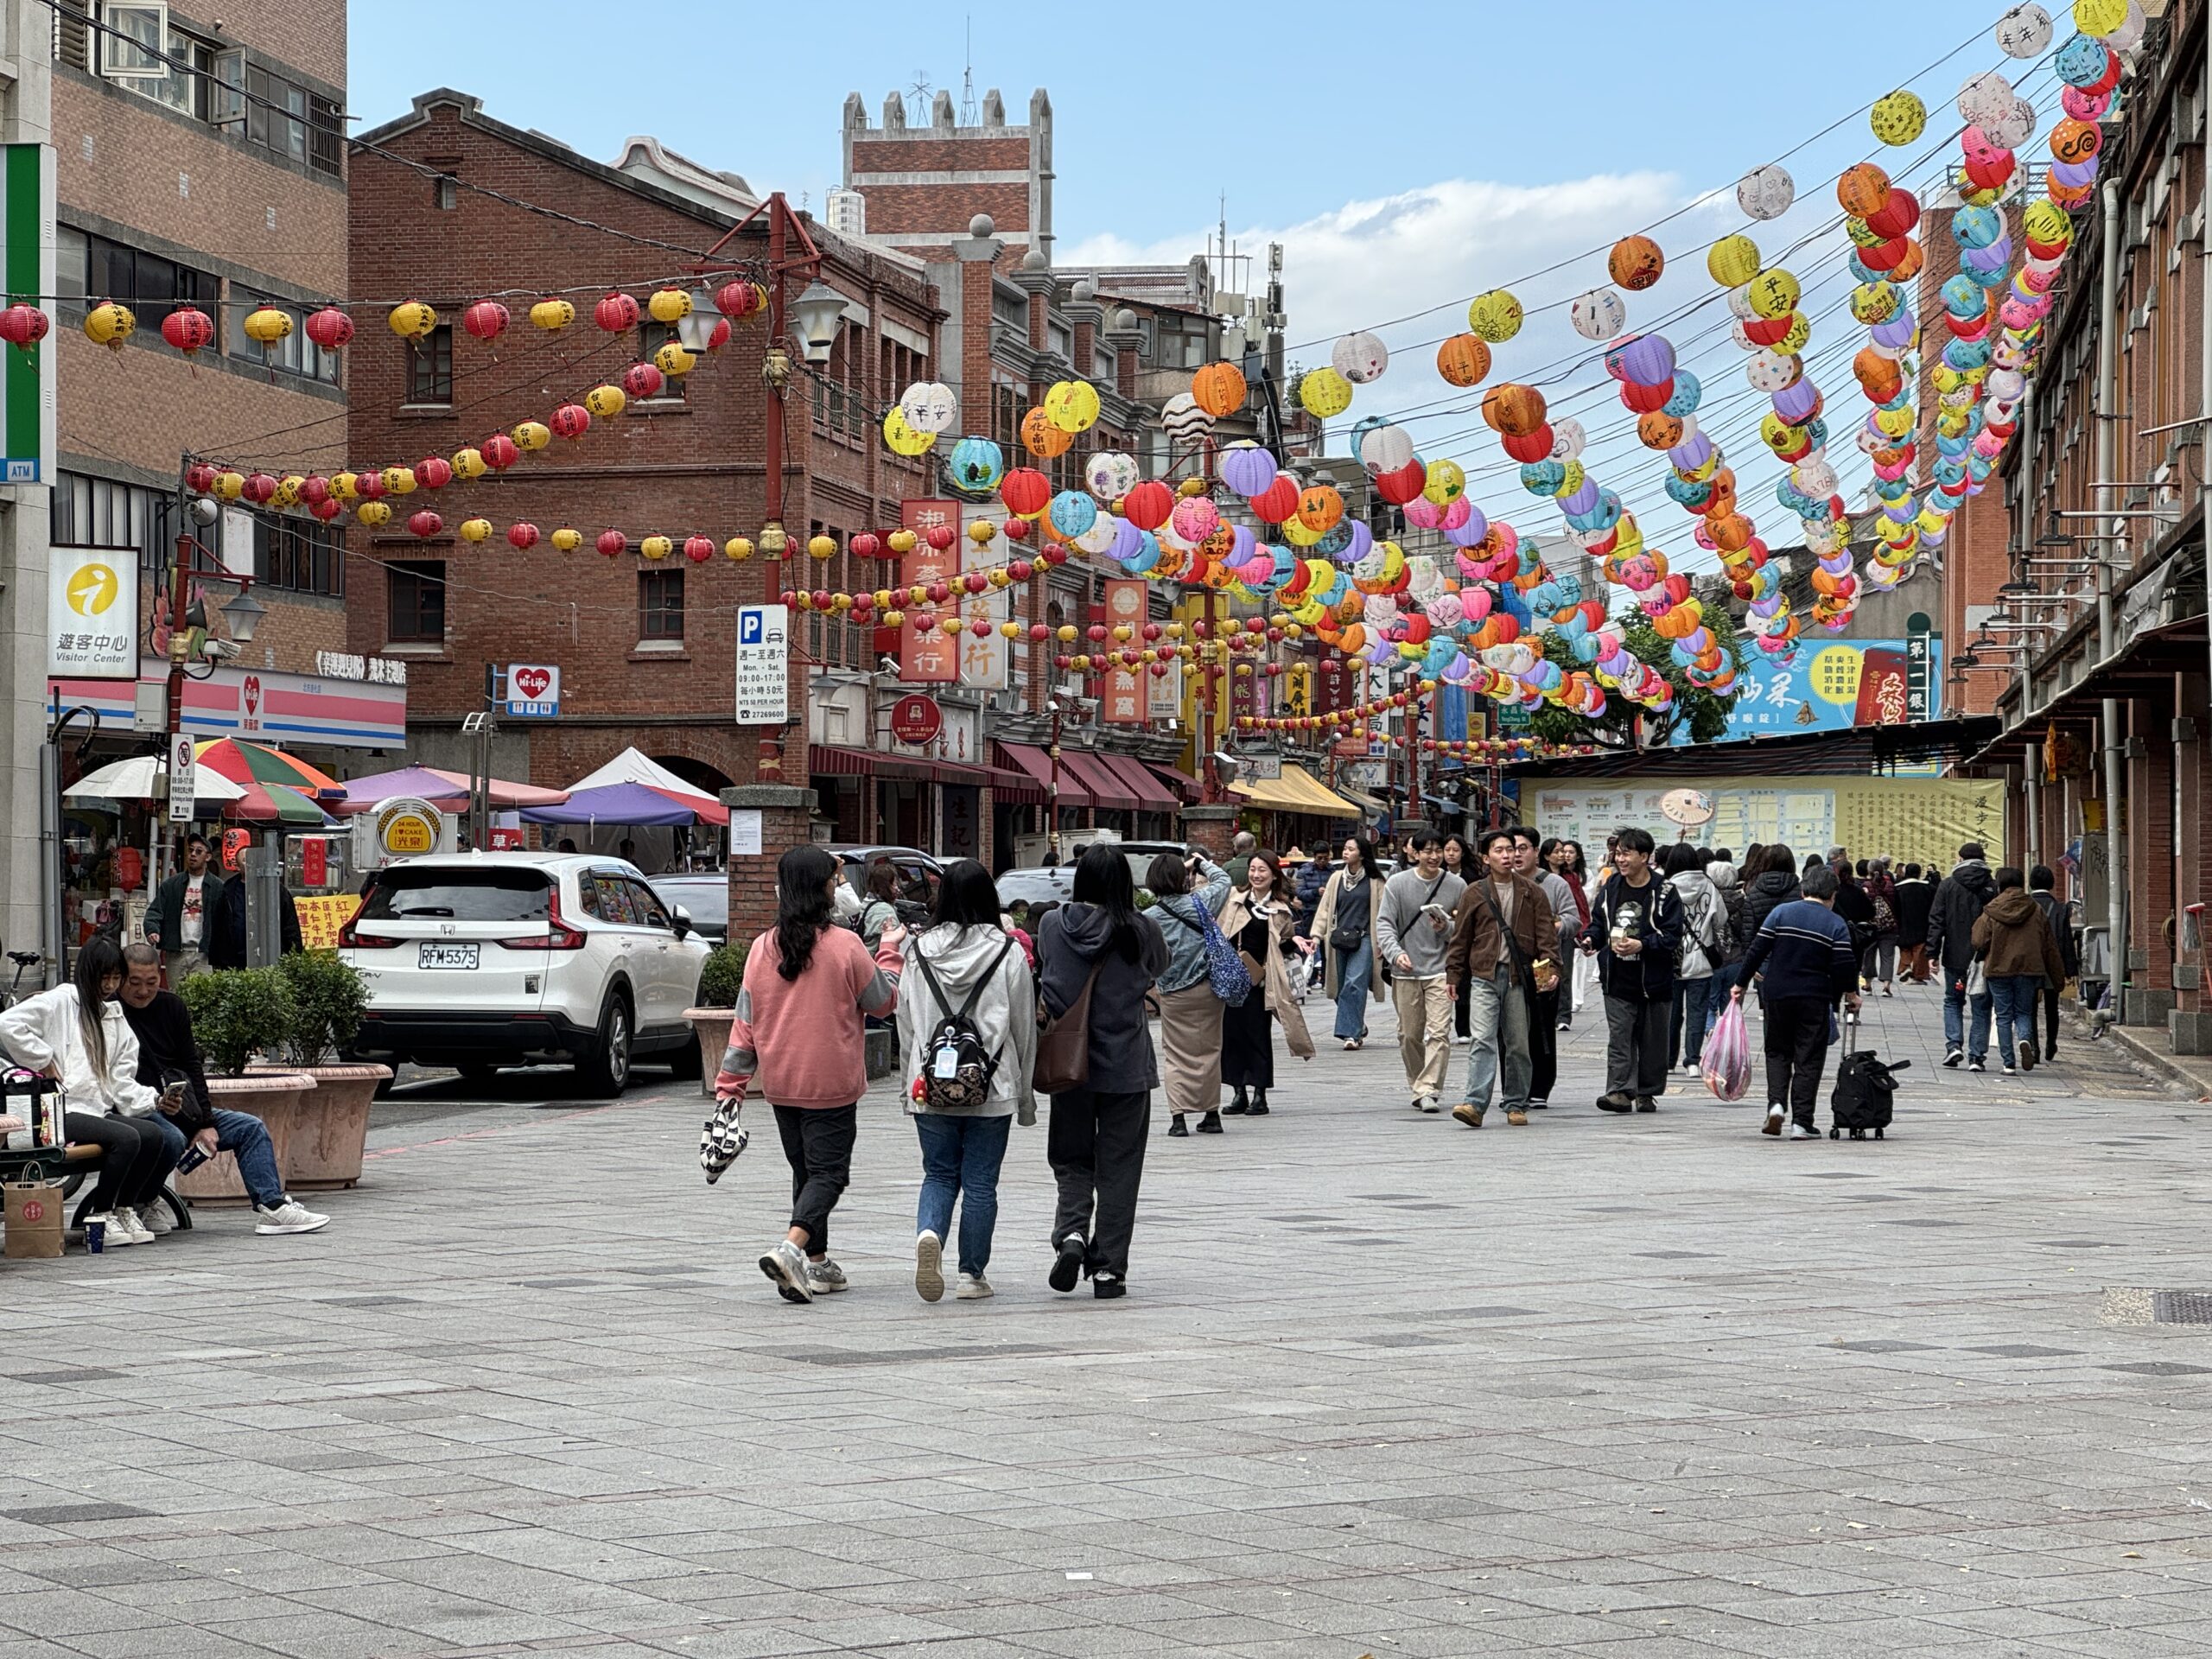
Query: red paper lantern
740,299
1021,570
698,549
259,486
1025,491
615,312
326,509
1278,501
642,380
867,545
368,483
571,420
500,452
939,537
433,473
1149,504
23,325
425,524
720,336
1016,529
188,329
200,477
612,543
522,535
486,319
1403,484
329,328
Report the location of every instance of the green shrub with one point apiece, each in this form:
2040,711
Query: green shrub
329,998
238,1013
721,978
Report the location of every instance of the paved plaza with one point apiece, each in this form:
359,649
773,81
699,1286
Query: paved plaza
1652,1387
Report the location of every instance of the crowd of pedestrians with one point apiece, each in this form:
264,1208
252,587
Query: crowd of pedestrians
1491,941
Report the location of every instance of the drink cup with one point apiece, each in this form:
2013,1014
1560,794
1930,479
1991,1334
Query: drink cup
95,1238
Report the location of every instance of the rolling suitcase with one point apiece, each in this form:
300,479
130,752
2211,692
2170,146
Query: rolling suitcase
1865,1087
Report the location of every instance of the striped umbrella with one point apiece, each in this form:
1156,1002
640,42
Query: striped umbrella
274,803
256,763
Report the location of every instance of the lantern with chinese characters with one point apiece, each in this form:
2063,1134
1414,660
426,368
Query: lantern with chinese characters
268,325
527,435
522,535
398,480
821,546
672,359
642,380
612,544
329,328
434,471
468,464
412,321
373,514
1463,360
737,547
1218,388
616,314
698,549
567,540
1044,438
258,488
552,316
606,402
23,325
570,420
109,324
188,329
287,493
654,548
486,320
667,305
471,529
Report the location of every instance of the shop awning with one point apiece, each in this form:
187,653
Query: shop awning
1153,796
1184,789
1296,791
1367,803
1107,789
1028,759
834,760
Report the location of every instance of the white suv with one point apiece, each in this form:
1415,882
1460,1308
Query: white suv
481,960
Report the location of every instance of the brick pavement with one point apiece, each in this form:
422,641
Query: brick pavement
1639,1387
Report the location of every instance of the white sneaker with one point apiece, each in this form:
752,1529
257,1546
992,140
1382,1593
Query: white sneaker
929,1267
1775,1115
785,1266
155,1219
1799,1132
288,1216
125,1219
974,1288
1426,1103
825,1277
112,1234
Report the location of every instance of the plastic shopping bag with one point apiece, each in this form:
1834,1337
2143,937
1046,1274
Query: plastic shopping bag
1726,1060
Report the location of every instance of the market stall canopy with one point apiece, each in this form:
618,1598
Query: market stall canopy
623,804
259,803
1296,791
447,791
256,763
145,777
631,767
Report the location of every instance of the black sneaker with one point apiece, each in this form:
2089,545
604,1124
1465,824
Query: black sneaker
1540,1105
1209,1124
1615,1104
1976,1065
2027,1055
1953,1057
1177,1127
1067,1266
1237,1107
1645,1103
1107,1288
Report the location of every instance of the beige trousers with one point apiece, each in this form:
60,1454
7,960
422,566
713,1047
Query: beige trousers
1424,1031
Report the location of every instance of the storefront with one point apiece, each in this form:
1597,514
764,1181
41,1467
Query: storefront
1295,809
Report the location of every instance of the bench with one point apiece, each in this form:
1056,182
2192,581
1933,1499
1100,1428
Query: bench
71,1166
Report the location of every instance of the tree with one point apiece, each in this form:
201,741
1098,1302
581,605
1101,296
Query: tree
1705,714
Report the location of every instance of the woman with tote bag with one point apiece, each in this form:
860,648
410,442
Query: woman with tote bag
1190,1012
1259,922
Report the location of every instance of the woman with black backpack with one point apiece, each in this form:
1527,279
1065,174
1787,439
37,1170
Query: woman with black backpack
967,1039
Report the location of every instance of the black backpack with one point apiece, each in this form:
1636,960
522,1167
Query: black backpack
1864,1085
956,1069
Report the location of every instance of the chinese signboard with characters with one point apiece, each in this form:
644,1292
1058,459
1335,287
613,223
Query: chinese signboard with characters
1123,701
931,657
984,660
1835,688
92,614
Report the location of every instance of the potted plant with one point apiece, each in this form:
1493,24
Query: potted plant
720,977
238,1013
328,997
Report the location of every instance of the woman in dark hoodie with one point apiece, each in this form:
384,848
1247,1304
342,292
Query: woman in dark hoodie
1774,883
1097,1133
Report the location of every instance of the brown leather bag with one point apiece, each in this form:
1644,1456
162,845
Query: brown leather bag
1063,1063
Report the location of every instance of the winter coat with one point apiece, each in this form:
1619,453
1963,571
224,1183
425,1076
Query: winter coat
1648,977
1178,916
1306,892
1914,899
1704,925
1005,1014
1882,894
1325,925
1275,971
42,1031
2012,936
1728,882
1958,904
2061,916
1477,941
1071,941
1773,888
1856,908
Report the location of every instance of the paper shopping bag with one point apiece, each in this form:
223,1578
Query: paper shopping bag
32,1217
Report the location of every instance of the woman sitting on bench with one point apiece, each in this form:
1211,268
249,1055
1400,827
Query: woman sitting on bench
77,1033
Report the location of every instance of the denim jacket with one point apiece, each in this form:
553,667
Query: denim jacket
1178,916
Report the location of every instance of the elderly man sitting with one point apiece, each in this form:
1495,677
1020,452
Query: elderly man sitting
167,1051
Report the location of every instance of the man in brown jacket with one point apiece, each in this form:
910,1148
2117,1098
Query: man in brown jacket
2018,952
1503,928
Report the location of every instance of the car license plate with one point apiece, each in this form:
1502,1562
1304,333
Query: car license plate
447,956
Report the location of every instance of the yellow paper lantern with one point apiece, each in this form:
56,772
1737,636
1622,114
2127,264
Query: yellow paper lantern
468,464
109,324
902,439
1495,316
398,480
821,547
475,530
1774,294
674,361
413,320
657,547
268,325
668,304
1898,118
1797,337
1323,393
567,539
552,316
1072,405
1447,482
345,486
1732,261
1010,630
737,548
531,434
951,625
1874,302
605,401
980,530
373,513
901,541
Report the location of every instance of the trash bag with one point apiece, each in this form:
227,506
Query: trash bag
1726,1059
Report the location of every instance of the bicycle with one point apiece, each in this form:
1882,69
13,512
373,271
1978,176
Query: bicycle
24,961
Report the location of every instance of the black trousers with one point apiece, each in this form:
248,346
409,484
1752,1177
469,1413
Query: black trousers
1543,1041
818,1145
1636,1046
2050,1038
1460,1009
1095,1145
1796,1053
135,1158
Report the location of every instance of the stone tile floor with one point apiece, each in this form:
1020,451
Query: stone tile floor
1648,1387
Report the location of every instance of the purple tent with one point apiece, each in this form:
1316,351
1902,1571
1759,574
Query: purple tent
623,804
447,790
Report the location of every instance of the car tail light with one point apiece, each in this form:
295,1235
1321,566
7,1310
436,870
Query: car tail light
350,938
558,935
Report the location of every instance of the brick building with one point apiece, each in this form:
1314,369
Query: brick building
2104,492
443,200
921,187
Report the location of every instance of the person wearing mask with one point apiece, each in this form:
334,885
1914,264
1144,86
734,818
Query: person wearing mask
1914,899
180,920
1957,906
1506,941
2020,956
1095,1139
1257,921
1413,931
76,1034
2055,910
1635,929
797,1031
1543,1000
1344,924
1705,920
1189,1013
1564,860
1462,861
1880,964
168,1052
1736,938
1804,951
1773,883
964,970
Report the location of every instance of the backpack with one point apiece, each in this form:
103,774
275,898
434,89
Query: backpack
957,1070
1865,1086
1226,969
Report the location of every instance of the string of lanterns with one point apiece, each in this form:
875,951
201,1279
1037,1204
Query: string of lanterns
1506,748
1415,693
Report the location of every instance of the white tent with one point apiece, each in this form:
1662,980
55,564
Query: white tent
631,767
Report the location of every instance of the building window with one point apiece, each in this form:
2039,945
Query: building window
299,555
90,267
101,512
660,605
417,594
445,193
650,338
429,368
296,353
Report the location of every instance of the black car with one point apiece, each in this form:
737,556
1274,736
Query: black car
704,894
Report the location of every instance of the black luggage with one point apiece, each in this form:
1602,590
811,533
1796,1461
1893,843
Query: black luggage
1864,1085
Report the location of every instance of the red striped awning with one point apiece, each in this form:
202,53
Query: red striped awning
1028,759
1107,788
1152,795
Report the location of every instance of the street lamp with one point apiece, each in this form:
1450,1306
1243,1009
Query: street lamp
695,329
815,315
244,613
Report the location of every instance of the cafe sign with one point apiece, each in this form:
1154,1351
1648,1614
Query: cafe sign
407,828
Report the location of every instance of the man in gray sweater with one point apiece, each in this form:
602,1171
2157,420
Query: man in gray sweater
1412,930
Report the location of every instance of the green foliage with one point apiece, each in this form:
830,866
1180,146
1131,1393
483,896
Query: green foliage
1146,899
721,978
1706,714
329,998
238,1013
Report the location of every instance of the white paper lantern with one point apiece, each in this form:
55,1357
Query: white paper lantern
2012,129
1771,371
929,406
2024,32
1599,315
1568,435
1766,192
1385,449
1360,357
1985,98
1110,474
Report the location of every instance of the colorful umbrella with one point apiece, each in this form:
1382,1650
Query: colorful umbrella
446,789
275,804
256,763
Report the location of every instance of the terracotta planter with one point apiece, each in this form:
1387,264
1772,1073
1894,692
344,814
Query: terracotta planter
280,1100
711,1027
325,1149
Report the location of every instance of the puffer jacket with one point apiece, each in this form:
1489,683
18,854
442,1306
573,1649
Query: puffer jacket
1005,1014
1959,900
2012,936
1774,889
1178,916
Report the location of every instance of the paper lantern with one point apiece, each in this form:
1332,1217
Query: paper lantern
1898,118
373,514
259,489
976,466
1320,507
667,305
1463,360
740,548
469,530
570,420
1042,437
1513,410
188,329
526,434
1219,389
643,381
902,439
268,325
1026,491
522,535
1360,357
1072,405
433,472
1273,505
566,539
1636,263
1774,293
1862,189
1383,449
606,402
673,359
329,328
1599,315
2024,32
698,549
23,325
1732,261
552,316
486,320
612,544
398,480
109,324
930,406
1109,473
1496,315
1323,393
615,314
412,321
1766,192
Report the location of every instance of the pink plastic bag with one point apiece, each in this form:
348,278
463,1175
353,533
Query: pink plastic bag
1726,1058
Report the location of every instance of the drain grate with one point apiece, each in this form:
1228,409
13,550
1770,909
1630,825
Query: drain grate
2181,1306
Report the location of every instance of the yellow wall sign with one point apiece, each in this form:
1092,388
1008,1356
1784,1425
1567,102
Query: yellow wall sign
322,914
407,828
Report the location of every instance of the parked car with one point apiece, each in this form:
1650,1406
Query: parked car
478,961
918,875
1053,885
1140,854
704,894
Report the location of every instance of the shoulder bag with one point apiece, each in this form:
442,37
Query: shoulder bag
1063,1062
1346,940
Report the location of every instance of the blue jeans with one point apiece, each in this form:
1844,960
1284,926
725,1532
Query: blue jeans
960,1159
1497,1044
1955,1011
246,1139
1354,973
1716,1000
2015,996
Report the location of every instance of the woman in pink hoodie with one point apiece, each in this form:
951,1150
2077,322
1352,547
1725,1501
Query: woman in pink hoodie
799,1033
